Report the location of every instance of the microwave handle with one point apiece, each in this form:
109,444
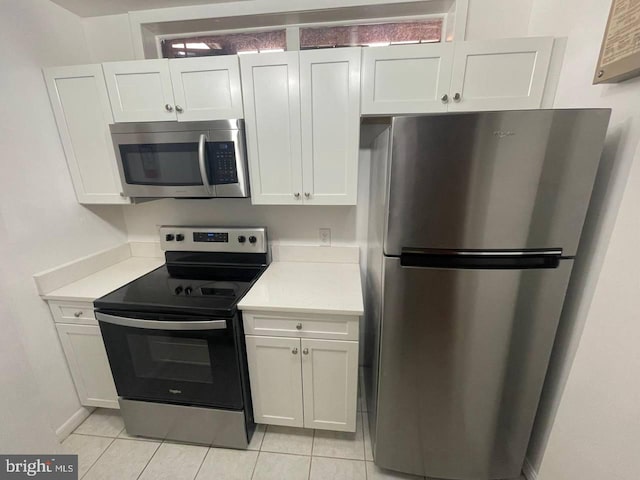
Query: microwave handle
161,325
202,161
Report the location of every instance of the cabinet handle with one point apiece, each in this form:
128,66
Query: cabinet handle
297,195
299,326
77,314
305,351
168,108
457,97
307,195
179,109
445,98
294,351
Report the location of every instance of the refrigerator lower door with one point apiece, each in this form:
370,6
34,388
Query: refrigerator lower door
463,356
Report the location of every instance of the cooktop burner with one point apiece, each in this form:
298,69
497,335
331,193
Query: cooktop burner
200,277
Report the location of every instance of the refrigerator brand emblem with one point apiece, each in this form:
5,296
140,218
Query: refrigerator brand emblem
502,133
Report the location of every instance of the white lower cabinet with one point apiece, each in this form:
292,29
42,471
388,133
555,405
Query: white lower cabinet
87,359
330,384
276,380
303,382
85,353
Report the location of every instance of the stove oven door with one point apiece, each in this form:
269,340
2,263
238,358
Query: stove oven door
175,359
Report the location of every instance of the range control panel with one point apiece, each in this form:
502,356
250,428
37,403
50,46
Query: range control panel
214,239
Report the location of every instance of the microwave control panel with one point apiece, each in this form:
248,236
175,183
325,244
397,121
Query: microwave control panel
224,163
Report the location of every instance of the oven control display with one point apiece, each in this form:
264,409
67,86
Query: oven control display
210,237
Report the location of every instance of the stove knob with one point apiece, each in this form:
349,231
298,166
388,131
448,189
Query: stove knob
252,239
187,291
169,237
179,237
178,290
242,238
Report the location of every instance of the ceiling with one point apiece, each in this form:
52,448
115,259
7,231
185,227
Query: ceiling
93,8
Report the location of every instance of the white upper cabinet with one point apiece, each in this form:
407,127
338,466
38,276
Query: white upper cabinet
406,79
330,113
302,113
503,74
206,88
81,108
272,121
499,74
140,91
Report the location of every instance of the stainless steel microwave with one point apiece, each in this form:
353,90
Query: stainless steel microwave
182,159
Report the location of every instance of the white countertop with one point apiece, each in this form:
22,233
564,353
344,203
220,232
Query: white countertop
329,288
96,285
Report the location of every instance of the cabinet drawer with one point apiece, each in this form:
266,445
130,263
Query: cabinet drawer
73,312
301,326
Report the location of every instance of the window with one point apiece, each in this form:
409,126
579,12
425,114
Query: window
372,35
365,35
230,44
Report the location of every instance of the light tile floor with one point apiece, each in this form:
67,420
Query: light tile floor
106,452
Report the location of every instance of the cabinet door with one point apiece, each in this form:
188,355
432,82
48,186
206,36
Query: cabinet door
272,122
206,88
330,113
330,384
140,91
404,79
499,74
87,359
276,380
81,108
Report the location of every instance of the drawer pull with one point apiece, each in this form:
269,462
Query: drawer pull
299,326
294,351
77,314
305,351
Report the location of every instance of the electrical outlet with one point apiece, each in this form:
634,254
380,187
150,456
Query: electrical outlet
325,237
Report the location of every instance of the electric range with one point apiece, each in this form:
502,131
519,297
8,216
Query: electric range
175,342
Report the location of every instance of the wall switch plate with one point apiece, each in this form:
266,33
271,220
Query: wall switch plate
325,237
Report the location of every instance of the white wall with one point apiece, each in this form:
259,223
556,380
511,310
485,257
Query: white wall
41,224
597,426
497,19
108,38
293,224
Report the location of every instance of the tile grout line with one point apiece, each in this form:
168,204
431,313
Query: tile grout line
150,458
255,464
313,441
99,456
202,463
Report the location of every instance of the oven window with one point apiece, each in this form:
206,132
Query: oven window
161,164
170,358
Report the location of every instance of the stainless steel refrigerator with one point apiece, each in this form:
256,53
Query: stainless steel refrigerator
474,225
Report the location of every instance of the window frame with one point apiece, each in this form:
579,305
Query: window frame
292,31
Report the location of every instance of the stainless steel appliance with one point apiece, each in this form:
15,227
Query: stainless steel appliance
474,223
175,341
182,159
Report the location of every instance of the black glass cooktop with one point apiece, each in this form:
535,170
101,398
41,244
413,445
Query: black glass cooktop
202,290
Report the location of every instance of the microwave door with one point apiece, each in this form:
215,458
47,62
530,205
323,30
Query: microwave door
171,164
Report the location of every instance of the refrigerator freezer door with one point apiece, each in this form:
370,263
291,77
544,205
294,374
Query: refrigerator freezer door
463,356
492,180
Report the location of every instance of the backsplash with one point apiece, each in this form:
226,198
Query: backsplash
296,224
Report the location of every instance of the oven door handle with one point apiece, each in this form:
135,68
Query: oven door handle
202,161
162,325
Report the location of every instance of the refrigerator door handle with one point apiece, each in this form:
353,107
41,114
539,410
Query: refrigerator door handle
481,259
